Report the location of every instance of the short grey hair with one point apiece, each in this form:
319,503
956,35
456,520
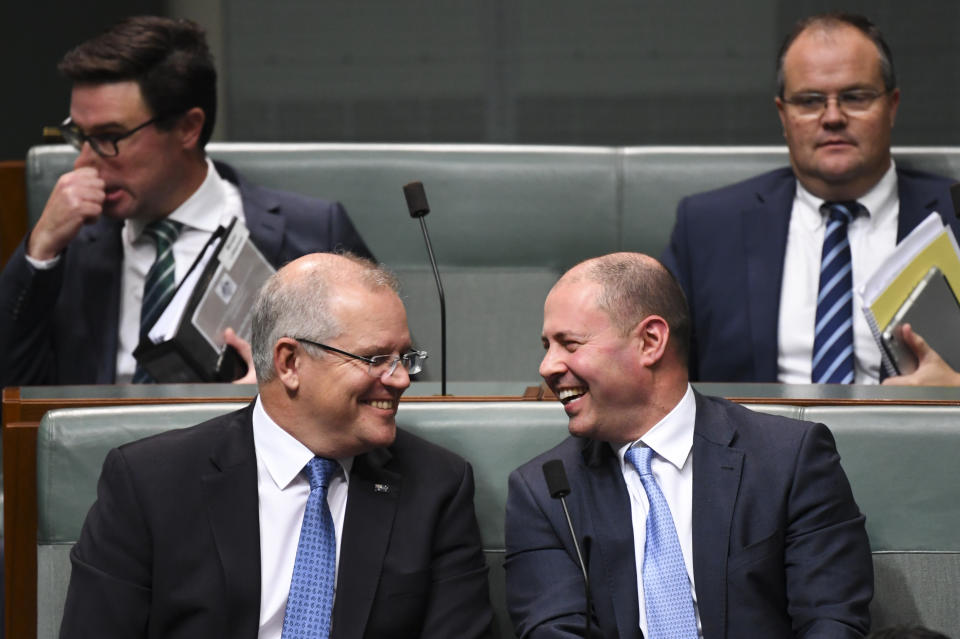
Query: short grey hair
301,306
634,286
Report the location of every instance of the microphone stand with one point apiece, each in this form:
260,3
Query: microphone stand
417,204
559,487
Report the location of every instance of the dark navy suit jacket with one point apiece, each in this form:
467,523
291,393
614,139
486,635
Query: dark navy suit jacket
779,545
727,250
60,326
171,548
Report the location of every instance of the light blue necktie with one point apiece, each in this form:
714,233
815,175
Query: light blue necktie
833,332
160,282
310,602
666,585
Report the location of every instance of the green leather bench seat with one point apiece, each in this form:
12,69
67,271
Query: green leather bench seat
900,460
506,221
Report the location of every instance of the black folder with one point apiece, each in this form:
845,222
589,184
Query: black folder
933,312
224,281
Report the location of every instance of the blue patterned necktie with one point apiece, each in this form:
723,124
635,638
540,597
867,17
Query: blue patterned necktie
833,332
160,282
310,602
666,585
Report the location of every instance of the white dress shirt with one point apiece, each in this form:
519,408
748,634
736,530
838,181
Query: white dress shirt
872,237
672,466
283,490
215,203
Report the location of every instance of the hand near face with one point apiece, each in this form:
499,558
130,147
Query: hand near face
931,369
77,199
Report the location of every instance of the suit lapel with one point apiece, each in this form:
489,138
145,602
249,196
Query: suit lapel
371,506
230,494
915,206
764,229
613,571
716,483
260,208
103,256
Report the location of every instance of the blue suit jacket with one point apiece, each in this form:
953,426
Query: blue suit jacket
779,546
61,326
727,250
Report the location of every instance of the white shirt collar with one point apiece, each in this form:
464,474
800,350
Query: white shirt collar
282,455
878,201
672,437
202,210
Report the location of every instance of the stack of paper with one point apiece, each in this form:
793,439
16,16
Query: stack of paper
887,294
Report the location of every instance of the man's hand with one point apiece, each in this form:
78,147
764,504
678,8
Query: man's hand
77,199
246,353
931,369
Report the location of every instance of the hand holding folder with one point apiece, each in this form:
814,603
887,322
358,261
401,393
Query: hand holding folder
186,344
917,286
931,369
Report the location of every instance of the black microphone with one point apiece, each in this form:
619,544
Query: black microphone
955,196
557,485
417,204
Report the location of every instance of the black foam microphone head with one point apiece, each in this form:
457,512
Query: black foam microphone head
416,199
556,476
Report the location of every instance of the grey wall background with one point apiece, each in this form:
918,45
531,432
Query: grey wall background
511,71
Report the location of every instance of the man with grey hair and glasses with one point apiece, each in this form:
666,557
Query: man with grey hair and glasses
306,514
771,266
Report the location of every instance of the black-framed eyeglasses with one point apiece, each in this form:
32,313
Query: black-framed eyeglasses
851,102
378,365
103,144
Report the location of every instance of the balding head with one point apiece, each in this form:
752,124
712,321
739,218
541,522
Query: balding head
296,301
615,335
634,286
827,23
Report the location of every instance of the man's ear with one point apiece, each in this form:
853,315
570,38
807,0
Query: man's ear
782,113
652,335
287,362
190,126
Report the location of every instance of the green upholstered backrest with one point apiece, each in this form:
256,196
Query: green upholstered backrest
513,206
506,220
898,459
497,205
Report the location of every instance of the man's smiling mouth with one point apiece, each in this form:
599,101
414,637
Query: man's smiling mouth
566,395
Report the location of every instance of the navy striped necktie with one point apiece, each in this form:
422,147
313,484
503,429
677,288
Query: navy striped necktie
833,332
160,282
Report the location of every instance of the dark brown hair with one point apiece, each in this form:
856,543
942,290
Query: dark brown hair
168,58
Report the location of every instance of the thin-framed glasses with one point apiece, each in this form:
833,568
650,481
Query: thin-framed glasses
812,104
103,144
378,365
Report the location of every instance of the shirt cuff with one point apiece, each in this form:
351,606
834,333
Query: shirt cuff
43,265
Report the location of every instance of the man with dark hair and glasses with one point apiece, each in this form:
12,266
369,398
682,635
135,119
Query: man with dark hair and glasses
142,108
771,266
308,509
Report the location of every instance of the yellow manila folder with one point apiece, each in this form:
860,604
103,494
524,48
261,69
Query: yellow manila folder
942,252
888,295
